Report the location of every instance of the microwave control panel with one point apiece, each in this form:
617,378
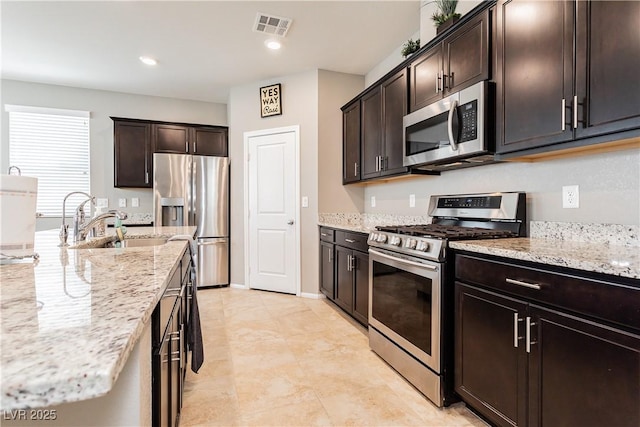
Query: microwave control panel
469,116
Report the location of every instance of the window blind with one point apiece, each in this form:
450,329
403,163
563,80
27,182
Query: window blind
53,146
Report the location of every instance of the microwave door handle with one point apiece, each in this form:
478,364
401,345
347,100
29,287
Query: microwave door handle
452,140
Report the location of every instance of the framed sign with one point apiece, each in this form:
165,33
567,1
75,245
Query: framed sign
270,100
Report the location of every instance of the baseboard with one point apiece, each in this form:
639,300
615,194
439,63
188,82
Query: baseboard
238,286
311,295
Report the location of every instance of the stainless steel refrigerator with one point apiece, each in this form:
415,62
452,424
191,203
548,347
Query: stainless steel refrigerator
194,190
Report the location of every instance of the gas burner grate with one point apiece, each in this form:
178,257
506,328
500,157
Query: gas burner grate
450,232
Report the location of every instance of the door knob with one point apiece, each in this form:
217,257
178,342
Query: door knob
290,222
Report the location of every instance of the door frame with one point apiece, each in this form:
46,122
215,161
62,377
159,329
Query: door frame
264,132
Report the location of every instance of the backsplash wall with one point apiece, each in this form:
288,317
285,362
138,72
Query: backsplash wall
609,188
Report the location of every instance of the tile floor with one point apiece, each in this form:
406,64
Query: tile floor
279,360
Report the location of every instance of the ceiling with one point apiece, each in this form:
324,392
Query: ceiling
203,48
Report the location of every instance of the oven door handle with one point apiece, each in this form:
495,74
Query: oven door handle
452,140
403,261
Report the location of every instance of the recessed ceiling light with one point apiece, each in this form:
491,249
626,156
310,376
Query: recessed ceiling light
148,60
273,44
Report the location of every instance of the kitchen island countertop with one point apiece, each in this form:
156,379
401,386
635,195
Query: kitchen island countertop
71,319
616,260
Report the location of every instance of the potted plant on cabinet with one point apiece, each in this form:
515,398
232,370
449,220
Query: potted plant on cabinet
410,47
445,15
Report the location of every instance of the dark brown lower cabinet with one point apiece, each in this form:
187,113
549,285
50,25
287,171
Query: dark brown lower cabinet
344,271
170,324
327,270
521,363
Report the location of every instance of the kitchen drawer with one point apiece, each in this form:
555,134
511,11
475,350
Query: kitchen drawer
327,234
609,301
357,241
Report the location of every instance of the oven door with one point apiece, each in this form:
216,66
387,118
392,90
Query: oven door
404,303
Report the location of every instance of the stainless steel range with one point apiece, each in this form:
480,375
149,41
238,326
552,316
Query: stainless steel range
411,284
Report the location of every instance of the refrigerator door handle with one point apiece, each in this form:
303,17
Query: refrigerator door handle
216,241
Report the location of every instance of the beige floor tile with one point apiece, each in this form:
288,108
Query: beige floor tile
263,389
369,407
281,360
307,413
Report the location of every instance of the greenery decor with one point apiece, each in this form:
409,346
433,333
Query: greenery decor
446,9
409,47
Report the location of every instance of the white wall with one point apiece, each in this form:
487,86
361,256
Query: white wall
609,187
102,105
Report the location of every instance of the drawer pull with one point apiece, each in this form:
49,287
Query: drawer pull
349,240
525,284
324,234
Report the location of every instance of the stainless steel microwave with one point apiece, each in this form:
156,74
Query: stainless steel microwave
450,133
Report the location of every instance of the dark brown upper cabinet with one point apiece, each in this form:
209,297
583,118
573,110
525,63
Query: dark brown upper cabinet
351,142
381,127
183,139
607,67
547,94
458,61
133,153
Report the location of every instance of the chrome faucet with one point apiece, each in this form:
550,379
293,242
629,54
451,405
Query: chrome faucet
83,230
64,228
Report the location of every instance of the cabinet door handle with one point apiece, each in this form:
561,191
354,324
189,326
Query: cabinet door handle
528,326
349,240
186,146
575,112
195,147
444,84
330,257
516,336
146,177
535,286
564,114
437,81
355,169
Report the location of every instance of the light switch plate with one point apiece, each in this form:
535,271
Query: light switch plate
412,200
102,203
305,202
373,201
122,203
135,202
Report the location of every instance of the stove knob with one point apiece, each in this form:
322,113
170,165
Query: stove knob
411,243
382,238
373,237
395,241
422,246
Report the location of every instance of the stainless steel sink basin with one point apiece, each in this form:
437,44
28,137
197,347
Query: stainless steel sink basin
133,243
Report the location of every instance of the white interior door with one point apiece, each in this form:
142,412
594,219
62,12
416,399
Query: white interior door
272,210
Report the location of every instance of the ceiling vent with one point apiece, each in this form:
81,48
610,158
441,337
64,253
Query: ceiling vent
270,24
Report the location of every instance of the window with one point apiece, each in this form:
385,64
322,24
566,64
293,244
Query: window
53,146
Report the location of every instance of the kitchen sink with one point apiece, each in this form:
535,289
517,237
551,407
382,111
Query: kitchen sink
134,243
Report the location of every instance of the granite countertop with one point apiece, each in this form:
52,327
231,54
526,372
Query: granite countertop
617,260
71,319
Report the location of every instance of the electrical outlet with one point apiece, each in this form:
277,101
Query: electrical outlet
373,201
135,202
122,203
570,196
412,200
102,203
